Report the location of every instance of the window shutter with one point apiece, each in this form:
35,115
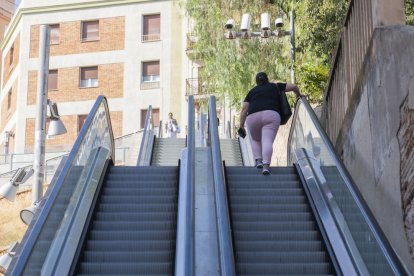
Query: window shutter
54,34
151,24
89,73
90,30
151,68
52,82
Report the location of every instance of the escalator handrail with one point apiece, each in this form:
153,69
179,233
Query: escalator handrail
17,267
146,145
184,261
227,264
380,237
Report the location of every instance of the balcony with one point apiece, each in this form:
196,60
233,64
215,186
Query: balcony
150,82
150,37
191,53
195,87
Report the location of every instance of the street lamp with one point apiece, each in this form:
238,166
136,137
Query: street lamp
55,128
6,259
265,32
9,190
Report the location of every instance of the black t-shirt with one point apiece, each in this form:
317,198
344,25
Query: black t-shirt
265,97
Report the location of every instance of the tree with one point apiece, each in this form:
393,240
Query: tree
230,66
409,12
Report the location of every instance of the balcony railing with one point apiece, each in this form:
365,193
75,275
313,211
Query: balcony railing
150,37
195,86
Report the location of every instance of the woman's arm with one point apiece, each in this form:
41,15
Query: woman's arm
294,88
243,114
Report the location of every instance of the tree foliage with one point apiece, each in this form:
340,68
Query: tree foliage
230,66
409,12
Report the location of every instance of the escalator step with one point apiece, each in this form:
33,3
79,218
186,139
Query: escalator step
160,235
139,206
133,184
276,235
267,192
128,225
286,268
282,246
274,226
271,216
268,199
282,257
122,256
125,268
130,246
237,207
139,191
133,199
134,216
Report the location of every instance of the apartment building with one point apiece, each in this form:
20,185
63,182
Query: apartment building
6,13
131,51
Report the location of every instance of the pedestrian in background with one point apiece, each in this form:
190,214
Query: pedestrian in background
171,127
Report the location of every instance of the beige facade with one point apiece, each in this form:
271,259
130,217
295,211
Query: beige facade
132,52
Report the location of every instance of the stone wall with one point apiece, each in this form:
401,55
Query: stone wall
376,138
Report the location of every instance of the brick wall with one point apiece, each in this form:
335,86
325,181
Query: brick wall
65,141
8,68
111,37
110,77
7,113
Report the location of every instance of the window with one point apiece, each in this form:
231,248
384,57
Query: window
89,77
81,121
90,30
54,34
151,71
11,59
9,96
151,29
52,81
155,117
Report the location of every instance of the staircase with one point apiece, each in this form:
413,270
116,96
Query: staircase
167,151
275,232
133,229
230,152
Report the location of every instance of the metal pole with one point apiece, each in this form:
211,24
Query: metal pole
292,45
40,124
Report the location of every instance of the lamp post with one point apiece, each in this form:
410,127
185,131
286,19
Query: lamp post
40,124
55,128
266,32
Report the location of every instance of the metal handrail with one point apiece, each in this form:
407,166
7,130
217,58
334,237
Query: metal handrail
146,140
369,218
227,265
184,262
18,264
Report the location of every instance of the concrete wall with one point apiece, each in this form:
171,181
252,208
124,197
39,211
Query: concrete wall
376,139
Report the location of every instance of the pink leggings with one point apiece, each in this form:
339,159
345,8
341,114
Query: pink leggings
263,127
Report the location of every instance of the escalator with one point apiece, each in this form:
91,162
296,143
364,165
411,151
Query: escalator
306,218
134,224
101,219
274,229
167,151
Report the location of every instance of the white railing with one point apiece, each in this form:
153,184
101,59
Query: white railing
150,37
89,83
